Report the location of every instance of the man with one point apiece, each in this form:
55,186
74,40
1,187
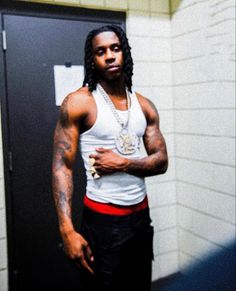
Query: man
107,120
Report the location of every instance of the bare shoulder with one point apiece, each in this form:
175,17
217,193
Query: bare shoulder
148,107
77,98
76,103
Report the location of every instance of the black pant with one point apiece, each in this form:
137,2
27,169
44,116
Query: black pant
122,249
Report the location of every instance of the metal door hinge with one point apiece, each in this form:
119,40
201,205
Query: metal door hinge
4,40
10,161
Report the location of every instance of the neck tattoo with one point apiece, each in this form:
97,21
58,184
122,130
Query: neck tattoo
126,142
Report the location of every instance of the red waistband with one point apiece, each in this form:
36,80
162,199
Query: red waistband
113,209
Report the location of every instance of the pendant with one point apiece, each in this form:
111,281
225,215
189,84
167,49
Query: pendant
127,142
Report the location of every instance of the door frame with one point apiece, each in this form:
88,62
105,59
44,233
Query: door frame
45,11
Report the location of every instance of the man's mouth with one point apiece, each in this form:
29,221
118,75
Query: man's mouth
113,68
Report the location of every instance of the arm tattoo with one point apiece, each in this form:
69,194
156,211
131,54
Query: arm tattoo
62,189
62,179
62,203
64,117
59,153
62,166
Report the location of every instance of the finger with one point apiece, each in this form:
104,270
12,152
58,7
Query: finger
98,167
102,150
86,266
93,156
88,253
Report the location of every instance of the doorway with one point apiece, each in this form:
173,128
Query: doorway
36,40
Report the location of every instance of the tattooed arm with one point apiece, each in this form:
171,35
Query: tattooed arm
155,163
64,153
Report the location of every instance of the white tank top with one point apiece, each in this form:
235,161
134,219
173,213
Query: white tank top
118,188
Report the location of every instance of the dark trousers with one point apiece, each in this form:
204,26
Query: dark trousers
122,249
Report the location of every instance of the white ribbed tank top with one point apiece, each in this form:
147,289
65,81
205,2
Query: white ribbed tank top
119,188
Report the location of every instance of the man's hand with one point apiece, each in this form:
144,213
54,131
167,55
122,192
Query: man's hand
78,250
107,162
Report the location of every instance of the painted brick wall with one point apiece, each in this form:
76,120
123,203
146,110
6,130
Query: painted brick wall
203,57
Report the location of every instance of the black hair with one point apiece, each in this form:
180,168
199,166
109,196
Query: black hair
90,78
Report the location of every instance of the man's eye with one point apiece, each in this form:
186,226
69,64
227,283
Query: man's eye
100,52
116,48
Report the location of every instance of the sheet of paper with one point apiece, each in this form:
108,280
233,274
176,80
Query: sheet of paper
67,80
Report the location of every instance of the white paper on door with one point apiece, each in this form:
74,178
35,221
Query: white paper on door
67,80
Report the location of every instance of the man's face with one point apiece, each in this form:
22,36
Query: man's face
107,55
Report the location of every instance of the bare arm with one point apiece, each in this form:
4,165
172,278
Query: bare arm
64,153
155,163
157,160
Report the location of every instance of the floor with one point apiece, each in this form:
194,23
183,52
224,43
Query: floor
162,284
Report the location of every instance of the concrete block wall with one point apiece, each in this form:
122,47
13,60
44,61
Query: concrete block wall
203,58
148,29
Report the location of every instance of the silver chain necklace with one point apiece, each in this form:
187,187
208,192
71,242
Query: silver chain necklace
112,107
126,142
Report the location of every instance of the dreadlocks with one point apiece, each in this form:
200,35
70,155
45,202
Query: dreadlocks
90,78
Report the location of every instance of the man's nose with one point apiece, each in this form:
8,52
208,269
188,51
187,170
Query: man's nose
109,55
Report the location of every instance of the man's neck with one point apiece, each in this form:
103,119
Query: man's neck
114,87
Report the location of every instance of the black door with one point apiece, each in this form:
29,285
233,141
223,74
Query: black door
34,45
